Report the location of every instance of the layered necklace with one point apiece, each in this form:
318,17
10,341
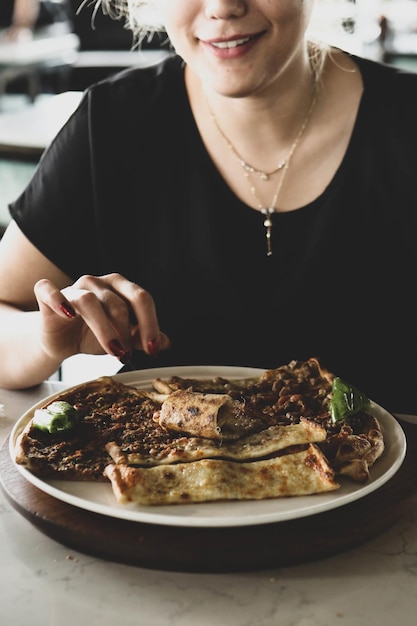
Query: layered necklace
282,167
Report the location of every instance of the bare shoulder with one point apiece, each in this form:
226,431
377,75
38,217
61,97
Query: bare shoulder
342,80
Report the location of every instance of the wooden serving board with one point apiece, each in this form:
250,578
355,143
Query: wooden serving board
227,549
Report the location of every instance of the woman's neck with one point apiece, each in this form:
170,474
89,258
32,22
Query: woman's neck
264,130
264,121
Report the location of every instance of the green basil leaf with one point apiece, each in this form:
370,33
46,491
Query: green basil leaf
346,400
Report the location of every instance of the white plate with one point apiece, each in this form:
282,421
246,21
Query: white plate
99,497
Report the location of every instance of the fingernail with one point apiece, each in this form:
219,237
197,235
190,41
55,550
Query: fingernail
67,309
153,347
119,352
125,358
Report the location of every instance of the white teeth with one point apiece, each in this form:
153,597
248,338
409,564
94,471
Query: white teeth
230,44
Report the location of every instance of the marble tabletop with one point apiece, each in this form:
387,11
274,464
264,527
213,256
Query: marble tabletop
43,582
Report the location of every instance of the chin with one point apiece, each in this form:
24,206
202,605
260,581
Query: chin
231,88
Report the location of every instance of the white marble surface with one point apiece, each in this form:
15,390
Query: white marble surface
44,583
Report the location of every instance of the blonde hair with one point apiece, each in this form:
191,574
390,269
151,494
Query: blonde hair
138,16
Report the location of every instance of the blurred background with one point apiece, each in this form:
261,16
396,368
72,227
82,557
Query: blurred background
51,50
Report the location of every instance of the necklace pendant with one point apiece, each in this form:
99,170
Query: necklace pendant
250,171
268,211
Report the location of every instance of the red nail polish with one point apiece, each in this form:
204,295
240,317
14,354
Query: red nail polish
67,309
153,347
116,347
125,358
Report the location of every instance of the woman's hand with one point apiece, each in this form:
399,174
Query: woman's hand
98,315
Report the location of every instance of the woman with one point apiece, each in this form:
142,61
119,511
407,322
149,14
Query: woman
20,19
248,202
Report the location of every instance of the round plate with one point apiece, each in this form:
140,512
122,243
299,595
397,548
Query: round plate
99,498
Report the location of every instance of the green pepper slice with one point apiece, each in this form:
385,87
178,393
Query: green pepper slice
59,416
346,400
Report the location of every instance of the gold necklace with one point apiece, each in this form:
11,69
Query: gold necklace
244,164
284,165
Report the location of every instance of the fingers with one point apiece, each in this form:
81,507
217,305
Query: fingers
130,308
142,314
48,295
118,313
104,313
64,331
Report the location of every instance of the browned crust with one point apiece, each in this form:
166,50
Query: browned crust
291,399
257,445
302,473
357,454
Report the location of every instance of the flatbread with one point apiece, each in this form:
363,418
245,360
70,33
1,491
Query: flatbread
302,473
211,415
190,440
258,445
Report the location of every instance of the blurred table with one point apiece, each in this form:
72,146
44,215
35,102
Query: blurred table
29,59
25,132
93,65
28,131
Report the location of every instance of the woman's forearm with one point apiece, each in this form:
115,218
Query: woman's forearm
23,363
25,13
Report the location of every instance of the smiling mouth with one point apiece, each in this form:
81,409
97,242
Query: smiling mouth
225,45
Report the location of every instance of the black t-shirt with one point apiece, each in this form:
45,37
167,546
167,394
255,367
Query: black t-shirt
127,186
